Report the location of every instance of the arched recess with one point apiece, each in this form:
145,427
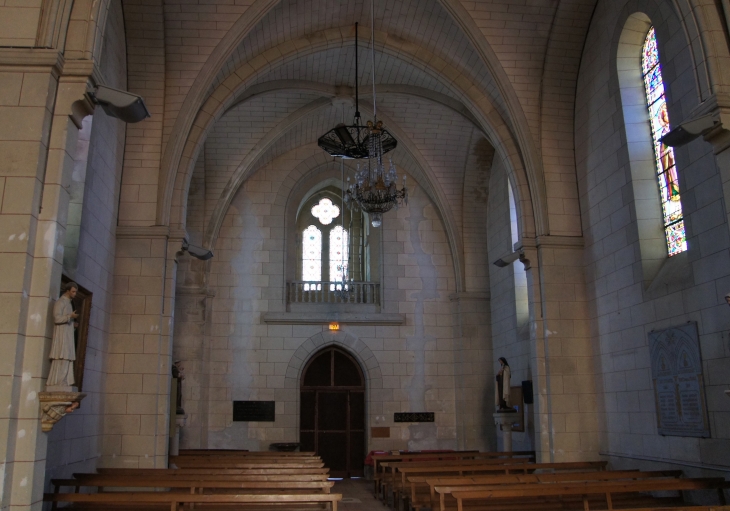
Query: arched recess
476,101
631,27
358,349
427,180
332,420
647,204
196,96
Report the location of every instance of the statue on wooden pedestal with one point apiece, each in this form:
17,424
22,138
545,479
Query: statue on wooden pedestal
63,349
502,389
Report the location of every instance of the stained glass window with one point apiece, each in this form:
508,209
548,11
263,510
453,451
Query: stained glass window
665,163
338,254
325,211
311,257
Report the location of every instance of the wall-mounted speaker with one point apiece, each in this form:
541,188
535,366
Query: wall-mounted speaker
527,392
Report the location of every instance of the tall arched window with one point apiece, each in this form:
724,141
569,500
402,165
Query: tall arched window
311,255
325,247
338,254
665,163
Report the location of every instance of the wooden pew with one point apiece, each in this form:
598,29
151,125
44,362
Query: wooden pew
425,456
423,489
195,473
301,460
222,470
175,500
236,452
193,485
417,489
399,470
531,496
224,463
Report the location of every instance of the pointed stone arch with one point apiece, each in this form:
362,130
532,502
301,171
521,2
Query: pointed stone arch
354,346
499,129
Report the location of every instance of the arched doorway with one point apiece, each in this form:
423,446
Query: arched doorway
332,415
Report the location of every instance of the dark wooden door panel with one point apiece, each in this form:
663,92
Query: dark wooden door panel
333,449
332,412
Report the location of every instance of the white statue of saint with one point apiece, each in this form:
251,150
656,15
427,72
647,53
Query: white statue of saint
63,350
502,389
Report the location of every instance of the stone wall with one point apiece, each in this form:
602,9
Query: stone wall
509,339
74,444
409,367
627,301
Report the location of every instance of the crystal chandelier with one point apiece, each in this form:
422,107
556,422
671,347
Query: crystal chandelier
375,189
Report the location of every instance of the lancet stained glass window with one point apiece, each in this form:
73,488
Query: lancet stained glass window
311,256
338,254
665,163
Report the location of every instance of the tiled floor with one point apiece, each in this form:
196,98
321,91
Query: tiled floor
357,495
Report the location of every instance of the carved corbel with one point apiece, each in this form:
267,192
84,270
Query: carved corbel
55,406
717,105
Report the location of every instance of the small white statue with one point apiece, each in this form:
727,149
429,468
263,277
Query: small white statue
502,390
63,349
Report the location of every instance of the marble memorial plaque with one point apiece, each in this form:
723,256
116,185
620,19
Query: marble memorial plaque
676,368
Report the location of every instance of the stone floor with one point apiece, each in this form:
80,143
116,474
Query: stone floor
357,495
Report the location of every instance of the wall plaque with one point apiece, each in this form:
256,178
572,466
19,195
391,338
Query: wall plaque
258,411
413,417
676,368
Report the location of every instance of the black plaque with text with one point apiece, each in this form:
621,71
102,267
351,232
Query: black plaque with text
254,411
413,417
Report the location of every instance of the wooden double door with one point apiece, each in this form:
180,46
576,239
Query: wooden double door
332,412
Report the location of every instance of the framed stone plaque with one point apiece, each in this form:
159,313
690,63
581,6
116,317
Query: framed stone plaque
679,391
254,411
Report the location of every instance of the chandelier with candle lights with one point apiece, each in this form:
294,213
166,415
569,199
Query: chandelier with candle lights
375,190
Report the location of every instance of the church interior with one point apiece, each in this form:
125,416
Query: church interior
536,220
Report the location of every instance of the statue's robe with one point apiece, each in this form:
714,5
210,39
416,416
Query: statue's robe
63,350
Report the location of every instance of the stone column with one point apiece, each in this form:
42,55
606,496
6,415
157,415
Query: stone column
42,104
191,346
566,413
505,421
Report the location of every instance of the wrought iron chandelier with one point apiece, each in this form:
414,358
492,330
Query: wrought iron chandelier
375,190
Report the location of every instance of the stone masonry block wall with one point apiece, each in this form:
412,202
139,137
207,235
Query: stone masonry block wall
249,359
688,287
74,444
508,340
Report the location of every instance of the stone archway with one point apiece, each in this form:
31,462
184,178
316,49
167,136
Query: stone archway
358,349
354,347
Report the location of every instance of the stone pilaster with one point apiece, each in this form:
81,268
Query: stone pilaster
566,412
139,365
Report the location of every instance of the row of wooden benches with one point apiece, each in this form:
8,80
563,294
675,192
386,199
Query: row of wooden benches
469,481
251,481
